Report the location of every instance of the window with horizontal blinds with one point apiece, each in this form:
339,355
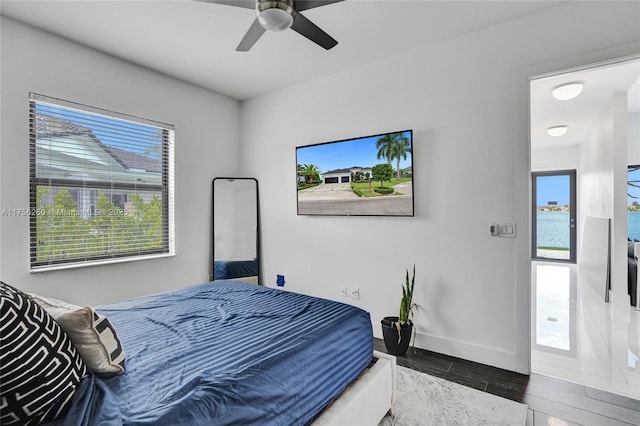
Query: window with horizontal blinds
101,185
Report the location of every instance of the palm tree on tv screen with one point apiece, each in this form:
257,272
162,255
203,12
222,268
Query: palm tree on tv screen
393,146
384,145
400,149
309,171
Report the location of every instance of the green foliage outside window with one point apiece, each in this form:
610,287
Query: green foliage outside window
64,233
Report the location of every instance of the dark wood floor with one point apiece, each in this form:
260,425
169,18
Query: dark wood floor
550,401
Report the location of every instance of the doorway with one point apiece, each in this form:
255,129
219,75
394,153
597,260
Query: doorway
571,326
553,228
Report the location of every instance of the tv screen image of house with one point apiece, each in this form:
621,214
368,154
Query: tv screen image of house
364,176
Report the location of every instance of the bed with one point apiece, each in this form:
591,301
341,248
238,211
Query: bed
234,269
228,352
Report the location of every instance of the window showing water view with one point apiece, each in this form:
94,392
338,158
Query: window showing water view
554,219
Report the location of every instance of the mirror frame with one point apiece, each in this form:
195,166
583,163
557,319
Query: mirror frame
213,226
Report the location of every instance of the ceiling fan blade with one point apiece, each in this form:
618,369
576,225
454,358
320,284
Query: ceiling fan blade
311,31
254,32
247,4
301,5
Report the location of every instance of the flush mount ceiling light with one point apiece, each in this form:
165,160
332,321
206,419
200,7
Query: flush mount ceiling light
275,15
567,91
557,130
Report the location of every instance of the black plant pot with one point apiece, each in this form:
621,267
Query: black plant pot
390,334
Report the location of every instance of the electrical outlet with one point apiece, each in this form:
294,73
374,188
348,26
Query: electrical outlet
355,293
343,290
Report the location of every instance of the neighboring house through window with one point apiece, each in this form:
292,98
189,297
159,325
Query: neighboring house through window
101,185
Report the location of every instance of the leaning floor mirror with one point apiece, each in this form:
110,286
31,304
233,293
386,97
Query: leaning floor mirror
236,230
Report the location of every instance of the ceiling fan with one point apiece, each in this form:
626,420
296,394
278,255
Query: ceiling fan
279,15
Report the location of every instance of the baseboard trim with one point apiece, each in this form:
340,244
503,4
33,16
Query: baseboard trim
465,350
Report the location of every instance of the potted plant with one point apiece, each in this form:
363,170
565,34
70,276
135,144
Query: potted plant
397,331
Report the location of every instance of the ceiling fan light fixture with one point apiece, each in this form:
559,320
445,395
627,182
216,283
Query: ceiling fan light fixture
567,91
275,15
557,130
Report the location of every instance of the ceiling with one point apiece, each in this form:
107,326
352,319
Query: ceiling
580,114
195,41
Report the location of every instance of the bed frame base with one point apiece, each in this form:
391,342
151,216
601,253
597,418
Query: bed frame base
368,400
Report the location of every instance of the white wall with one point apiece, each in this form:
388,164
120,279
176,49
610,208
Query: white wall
559,158
466,100
619,233
633,134
34,61
596,169
603,183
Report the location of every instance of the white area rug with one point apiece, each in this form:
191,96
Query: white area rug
427,400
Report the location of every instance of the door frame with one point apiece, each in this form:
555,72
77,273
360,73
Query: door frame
573,215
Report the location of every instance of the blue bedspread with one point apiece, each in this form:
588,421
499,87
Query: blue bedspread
235,269
227,353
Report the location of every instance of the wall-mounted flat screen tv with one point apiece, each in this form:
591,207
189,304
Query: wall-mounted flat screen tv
365,176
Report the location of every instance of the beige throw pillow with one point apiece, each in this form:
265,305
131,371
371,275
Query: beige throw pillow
91,333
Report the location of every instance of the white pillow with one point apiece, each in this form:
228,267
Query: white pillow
92,334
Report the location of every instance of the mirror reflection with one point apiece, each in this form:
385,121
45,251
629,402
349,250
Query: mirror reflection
235,230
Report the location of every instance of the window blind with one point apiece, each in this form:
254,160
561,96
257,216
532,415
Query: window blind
101,185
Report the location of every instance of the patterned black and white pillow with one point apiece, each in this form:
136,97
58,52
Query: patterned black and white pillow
40,368
92,334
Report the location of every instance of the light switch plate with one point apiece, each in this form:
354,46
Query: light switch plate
503,229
